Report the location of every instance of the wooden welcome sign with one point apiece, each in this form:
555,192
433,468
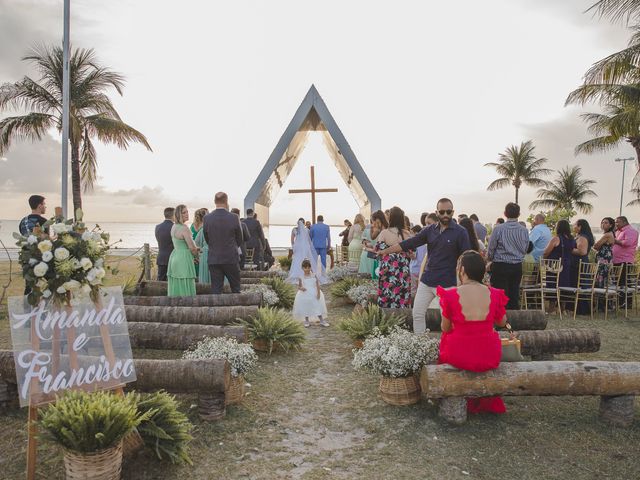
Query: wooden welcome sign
83,345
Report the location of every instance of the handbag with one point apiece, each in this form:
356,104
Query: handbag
511,348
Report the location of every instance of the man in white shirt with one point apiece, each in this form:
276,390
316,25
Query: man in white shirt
540,236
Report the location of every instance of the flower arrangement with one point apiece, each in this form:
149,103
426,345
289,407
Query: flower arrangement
339,272
363,294
340,287
399,354
69,258
284,262
269,297
285,291
241,356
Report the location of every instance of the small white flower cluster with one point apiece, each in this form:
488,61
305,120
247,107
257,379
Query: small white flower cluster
268,295
241,356
339,272
399,354
363,294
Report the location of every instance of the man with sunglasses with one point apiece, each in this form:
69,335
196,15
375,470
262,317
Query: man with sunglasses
445,240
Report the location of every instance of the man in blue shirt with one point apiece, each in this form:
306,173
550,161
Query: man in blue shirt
540,236
445,240
321,237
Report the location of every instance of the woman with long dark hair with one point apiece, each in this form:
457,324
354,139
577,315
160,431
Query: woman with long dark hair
604,249
584,243
476,245
394,278
561,247
469,314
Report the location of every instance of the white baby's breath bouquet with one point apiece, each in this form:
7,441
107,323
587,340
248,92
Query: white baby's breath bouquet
339,272
363,294
241,356
62,260
399,354
269,297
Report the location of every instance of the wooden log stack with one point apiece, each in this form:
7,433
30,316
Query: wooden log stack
208,378
616,383
519,319
172,336
225,300
155,288
543,343
190,315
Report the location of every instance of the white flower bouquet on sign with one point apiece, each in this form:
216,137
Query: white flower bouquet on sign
241,356
68,258
399,354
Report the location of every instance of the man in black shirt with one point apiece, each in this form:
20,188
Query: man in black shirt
35,219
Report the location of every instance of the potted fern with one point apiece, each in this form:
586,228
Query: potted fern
165,430
90,428
240,356
285,291
362,322
274,329
397,357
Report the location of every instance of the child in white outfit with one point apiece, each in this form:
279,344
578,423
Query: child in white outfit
309,300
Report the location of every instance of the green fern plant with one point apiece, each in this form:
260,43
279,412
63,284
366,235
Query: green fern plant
167,431
341,287
285,291
360,324
90,422
285,263
275,326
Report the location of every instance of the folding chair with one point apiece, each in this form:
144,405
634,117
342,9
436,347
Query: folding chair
630,287
584,289
610,289
547,287
530,279
248,259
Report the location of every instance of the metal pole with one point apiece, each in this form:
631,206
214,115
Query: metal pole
624,167
65,108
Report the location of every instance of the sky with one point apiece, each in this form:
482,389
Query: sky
425,93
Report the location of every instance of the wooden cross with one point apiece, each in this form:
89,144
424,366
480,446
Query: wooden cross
313,190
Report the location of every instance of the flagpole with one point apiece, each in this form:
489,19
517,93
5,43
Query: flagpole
65,107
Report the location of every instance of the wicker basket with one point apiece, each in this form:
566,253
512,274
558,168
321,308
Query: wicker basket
132,444
263,346
400,391
102,465
235,392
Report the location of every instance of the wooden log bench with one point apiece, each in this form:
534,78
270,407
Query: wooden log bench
257,273
207,378
519,319
224,300
190,315
616,383
155,288
543,344
173,336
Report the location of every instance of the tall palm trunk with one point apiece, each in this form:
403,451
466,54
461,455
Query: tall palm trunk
76,186
517,190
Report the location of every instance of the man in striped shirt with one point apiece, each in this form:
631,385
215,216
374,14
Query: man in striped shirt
507,247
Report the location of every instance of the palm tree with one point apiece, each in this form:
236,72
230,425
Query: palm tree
625,10
91,113
519,166
568,191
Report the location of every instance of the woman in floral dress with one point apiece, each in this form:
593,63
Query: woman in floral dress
604,249
394,280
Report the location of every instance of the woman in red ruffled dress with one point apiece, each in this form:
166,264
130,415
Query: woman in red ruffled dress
469,313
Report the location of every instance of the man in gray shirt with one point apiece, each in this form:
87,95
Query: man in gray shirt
481,230
507,247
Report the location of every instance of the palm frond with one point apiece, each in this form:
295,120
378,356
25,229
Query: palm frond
109,130
88,163
499,183
25,127
617,10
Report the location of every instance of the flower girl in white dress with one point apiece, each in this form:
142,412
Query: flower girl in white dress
309,300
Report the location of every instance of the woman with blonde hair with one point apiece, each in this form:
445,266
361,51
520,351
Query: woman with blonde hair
355,240
181,272
196,226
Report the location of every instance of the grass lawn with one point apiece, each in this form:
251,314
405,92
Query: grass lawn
310,415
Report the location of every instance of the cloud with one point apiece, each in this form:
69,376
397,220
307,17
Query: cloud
31,167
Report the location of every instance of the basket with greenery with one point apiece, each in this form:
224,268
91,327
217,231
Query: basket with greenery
340,288
90,427
166,431
62,258
286,292
363,294
284,262
274,328
363,321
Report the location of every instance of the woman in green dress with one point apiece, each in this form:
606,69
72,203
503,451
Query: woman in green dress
355,241
196,227
181,272
203,272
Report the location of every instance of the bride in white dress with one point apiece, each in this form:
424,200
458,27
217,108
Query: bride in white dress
303,249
